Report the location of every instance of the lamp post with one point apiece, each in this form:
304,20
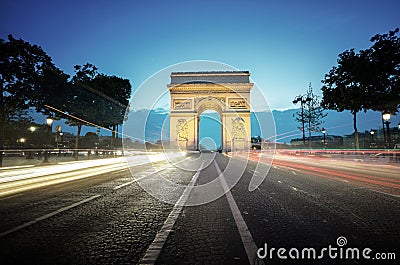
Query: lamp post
372,135
32,129
324,132
21,142
49,122
303,100
386,118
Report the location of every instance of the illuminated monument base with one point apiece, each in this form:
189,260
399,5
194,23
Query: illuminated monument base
227,93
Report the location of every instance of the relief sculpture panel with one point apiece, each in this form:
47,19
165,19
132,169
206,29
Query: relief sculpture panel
180,104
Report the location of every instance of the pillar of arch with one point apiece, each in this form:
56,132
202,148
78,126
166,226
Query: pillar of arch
227,93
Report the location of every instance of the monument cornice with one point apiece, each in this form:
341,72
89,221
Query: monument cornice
205,87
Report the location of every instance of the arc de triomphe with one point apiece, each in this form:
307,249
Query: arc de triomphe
226,92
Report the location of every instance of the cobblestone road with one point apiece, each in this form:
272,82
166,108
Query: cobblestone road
110,219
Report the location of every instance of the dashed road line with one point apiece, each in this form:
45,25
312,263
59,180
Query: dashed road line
125,184
12,196
247,239
154,250
46,216
63,209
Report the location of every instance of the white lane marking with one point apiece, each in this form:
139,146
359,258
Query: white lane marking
125,184
294,172
12,196
63,208
382,192
143,176
46,216
245,235
346,181
153,251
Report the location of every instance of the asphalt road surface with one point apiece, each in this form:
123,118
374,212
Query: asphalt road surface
110,219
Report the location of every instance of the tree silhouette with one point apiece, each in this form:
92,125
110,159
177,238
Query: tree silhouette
98,99
23,67
345,86
384,55
115,93
81,101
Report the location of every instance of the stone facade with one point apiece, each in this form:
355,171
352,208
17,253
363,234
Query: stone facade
227,93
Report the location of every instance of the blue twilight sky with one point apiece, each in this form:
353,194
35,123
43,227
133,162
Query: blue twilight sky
284,44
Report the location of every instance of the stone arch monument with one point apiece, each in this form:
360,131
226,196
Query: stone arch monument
226,92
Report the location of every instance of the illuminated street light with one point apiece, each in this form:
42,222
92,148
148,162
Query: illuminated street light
324,132
372,132
20,142
386,118
49,122
29,156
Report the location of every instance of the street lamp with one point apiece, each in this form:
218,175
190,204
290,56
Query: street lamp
21,141
303,100
372,132
32,129
386,118
324,132
49,122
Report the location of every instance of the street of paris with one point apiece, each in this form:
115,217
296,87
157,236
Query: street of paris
199,132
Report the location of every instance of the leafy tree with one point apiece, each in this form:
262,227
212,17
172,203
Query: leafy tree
98,99
115,93
80,103
384,56
54,92
345,85
22,66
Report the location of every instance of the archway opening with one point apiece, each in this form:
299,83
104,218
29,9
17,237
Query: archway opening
210,131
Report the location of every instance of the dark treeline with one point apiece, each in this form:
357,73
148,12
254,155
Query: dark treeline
30,79
367,80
